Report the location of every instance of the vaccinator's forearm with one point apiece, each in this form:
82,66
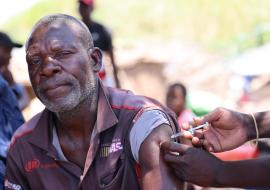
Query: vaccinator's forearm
245,174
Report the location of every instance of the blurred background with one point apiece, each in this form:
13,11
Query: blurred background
219,50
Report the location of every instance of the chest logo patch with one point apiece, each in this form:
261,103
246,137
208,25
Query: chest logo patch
109,148
35,164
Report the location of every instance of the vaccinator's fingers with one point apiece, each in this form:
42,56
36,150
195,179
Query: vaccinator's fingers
174,147
185,126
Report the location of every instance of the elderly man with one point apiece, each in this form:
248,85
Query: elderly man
89,136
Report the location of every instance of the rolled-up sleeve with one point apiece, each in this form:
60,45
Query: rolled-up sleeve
143,126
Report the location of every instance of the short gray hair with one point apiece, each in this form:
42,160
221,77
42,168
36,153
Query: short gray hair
84,32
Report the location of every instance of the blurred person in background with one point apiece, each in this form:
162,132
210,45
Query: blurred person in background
228,130
101,37
6,46
10,119
176,101
10,115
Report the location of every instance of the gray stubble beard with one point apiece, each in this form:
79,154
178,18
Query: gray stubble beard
73,99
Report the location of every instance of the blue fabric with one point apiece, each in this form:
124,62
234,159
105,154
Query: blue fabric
10,119
2,174
10,115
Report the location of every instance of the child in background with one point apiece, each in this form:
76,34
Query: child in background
176,101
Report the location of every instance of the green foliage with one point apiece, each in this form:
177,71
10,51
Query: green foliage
212,23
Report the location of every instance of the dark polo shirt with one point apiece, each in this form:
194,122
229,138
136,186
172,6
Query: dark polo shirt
33,162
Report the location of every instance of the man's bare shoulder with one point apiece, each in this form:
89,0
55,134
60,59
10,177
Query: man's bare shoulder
156,173
150,149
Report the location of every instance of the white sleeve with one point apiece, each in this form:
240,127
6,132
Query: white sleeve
144,125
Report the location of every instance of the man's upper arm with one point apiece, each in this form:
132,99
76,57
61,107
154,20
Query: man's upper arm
156,174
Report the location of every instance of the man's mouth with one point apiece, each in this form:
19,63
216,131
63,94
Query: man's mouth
56,90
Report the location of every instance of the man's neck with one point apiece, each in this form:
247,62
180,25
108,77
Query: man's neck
82,118
75,127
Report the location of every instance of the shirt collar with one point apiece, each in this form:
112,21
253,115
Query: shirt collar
42,133
106,118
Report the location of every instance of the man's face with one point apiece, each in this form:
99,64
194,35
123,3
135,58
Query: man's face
59,66
5,55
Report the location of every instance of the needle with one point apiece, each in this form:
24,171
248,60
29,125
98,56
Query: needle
190,130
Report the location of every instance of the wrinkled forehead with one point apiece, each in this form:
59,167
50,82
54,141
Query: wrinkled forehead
56,32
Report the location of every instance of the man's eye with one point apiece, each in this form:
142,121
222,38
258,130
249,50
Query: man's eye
35,61
63,54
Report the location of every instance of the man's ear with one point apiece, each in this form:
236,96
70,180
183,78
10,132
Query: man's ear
96,57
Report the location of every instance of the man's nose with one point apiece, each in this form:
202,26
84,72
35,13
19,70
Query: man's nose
49,67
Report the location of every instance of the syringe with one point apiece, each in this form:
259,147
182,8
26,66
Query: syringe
190,130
